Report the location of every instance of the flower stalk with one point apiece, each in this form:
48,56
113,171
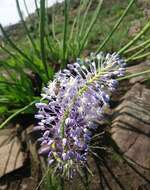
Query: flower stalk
74,100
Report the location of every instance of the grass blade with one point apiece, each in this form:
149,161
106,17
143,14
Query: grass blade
37,8
42,36
53,26
72,29
84,18
9,83
8,52
116,25
13,45
144,30
138,57
134,75
25,27
17,58
137,47
139,52
82,4
95,16
26,8
76,23
16,113
65,31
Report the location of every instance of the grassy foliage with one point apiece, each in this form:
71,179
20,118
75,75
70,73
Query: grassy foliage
59,35
33,64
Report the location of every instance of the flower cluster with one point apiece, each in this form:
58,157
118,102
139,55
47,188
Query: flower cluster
71,104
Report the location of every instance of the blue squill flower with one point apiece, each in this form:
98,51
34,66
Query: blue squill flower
71,104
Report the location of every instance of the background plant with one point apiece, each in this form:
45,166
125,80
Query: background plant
34,63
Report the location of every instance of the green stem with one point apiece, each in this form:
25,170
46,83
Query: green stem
9,83
26,8
65,32
139,52
84,18
16,113
133,75
13,45
85,37
138,57
116,25
17,50
8,52
81,6
44,176
72,29
53,24
42,36
26,28
37,9
144,30
137,47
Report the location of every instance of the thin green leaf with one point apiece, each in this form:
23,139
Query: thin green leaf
82,4
26,8
9,83
134,75
138,57
130,43
137,47
84,18
116,25
139,52
13,45
42,36
95,16
53,24
65,31
16,113
26,28
37,8
8,52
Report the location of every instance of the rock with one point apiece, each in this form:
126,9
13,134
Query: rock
135,28
146,13
144,3
137,69
29,138
11,155
131,125
18,170
3,187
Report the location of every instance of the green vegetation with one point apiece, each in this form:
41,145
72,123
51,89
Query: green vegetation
34,58
66,31
53,37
